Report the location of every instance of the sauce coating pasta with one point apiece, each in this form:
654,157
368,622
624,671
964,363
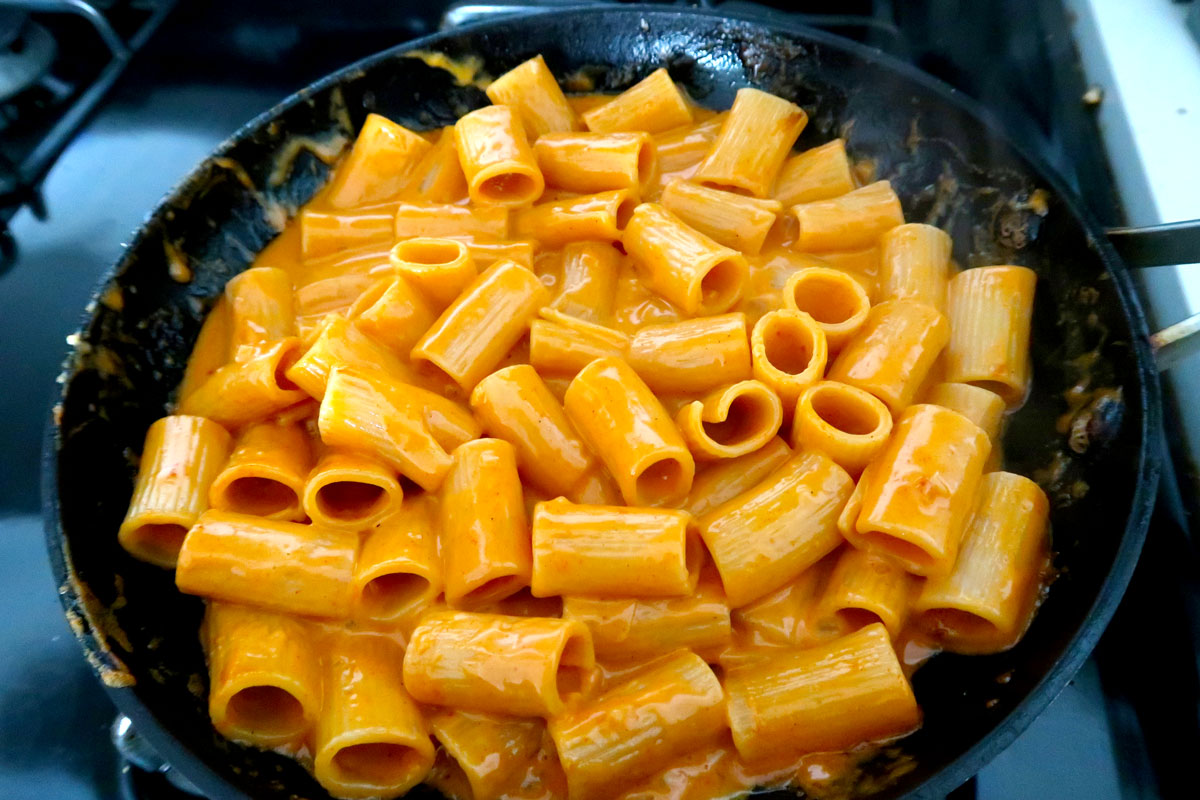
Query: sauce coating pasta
483,468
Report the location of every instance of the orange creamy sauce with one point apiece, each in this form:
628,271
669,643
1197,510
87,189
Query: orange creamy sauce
527,766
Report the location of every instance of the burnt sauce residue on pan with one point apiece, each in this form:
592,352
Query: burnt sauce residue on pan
1077,434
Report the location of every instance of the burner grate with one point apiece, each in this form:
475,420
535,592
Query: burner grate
57,61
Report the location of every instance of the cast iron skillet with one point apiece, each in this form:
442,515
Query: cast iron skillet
950,167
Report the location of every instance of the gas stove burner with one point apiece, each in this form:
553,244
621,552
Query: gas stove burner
26,52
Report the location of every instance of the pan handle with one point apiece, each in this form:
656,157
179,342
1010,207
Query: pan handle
1156,246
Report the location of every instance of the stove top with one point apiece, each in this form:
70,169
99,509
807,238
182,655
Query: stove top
213,66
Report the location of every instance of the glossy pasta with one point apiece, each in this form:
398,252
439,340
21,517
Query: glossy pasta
595,447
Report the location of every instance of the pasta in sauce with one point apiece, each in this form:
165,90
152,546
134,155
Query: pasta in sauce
595,447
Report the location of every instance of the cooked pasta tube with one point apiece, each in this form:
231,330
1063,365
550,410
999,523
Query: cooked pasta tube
589,281
563,345
755,140
260,307
596,217
730,219
438,268
242,392
265,475
472,336
654,104
393,312
380,164
522,666
399,567
609,551
211,350
984,408
370,738
922,490
731,421
789,353
984,605
351,490
485,531
357,414
728,478
793,516
314,301
665,711
687,145
866,588
264,675
181,458
850,221
530,88
694,355
820,173
634,629
279,566
496,157
494,756
829,697
914,264
417,220
835,299
514,404
325,232
990,311
893,352
597,162
626,425
343,344
438,177
683,265
846,423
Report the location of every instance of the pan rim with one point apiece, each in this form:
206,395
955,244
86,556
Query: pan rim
1149,466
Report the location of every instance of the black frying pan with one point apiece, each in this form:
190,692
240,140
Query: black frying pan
950,167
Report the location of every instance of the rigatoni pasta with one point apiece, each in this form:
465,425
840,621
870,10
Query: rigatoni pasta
755,139
370,738
824,698
265,474
531,89
653,105
682,264
985,603
613,551
525,667
990,311
626,425
264,675
496,158
181,458
794,514
921,491
492,446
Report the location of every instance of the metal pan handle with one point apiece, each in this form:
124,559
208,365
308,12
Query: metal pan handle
1157,246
